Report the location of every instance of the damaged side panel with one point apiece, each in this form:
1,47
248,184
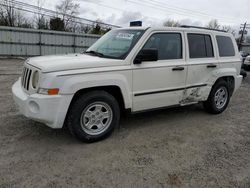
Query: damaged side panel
194,95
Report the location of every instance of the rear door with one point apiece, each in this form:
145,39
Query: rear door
202,65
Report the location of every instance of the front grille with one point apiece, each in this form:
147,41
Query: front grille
26,78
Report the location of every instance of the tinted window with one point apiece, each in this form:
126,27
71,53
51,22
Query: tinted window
200,46
169,45
225,45
209,46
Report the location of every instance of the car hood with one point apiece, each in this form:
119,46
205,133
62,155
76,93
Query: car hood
71,62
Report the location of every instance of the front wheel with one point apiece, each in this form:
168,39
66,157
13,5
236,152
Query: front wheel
218,99
93,116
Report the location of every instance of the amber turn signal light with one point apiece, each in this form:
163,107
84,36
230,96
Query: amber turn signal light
53,91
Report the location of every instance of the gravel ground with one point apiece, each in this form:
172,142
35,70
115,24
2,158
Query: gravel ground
179,147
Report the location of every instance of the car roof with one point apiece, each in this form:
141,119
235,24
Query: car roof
187,29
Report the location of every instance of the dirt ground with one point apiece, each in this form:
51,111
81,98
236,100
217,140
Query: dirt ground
178,147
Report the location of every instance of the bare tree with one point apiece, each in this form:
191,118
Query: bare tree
3,20
82,28
40,21
171,23
22,21
9,16
213,24
228,29
69,10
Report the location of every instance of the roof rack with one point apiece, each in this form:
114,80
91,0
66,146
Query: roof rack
196,27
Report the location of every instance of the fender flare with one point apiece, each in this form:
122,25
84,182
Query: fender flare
225,72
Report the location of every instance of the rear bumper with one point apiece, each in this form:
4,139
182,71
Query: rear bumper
50,110
238,82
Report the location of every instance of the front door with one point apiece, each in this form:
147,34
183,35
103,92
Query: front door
161,83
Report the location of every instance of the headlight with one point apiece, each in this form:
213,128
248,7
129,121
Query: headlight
35,79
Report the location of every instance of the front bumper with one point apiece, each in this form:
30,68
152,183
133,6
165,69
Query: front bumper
247,62
50,110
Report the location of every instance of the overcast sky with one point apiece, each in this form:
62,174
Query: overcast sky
154,12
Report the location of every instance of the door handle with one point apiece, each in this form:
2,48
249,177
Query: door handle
178,69
211,66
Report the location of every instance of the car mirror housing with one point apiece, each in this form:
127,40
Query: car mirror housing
146,55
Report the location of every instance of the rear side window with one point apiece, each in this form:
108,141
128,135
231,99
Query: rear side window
200,46
225,45
169,45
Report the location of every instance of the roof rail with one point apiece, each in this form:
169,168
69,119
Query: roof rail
196,27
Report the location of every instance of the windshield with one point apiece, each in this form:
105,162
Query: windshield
116,43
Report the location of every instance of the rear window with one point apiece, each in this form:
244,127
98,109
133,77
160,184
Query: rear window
225,45
200,46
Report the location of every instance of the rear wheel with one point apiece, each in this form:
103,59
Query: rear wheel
93,116
218,99
243,73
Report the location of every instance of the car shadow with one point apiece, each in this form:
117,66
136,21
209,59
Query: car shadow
137,120
38,132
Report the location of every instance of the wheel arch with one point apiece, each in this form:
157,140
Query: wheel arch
114,90
230,81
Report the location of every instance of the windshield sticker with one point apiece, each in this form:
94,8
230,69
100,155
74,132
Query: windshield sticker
127,36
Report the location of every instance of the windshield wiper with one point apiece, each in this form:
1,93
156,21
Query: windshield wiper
95,53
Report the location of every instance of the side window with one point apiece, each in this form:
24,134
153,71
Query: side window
200,46
225,45
169,45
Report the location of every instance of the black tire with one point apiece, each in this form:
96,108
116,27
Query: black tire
74,116
247,67
210,105
243,73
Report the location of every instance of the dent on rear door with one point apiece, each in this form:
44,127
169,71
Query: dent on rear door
202,67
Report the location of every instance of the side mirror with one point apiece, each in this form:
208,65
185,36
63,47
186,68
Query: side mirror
146,55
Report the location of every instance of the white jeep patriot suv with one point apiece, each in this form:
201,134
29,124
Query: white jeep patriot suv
134,69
